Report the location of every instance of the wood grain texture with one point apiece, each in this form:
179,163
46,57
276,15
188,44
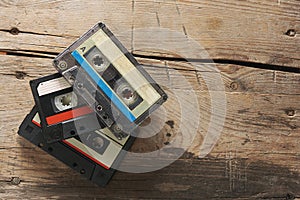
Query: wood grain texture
237,30
256,156
256,48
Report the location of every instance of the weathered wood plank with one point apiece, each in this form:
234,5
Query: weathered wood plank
255,157
237,30
189,177
257,154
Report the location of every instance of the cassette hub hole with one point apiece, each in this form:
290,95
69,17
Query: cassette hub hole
98,142
66,100
98,61
127,93
80,85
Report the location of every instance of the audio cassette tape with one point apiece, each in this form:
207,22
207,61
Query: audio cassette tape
95,155
64,114
109,79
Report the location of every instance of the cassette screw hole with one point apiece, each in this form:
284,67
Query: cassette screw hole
120,137
62,65
105,117
72,132
82,171
50,149
79,85
99,108
118,128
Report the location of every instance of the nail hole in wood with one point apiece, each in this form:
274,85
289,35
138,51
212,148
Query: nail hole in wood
290,112
14,31
289,196
291,33
15,181
234,86
20,75
171,123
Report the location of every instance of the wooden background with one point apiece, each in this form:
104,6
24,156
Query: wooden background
255,45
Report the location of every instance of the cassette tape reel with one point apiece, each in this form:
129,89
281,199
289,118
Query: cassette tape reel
65,101
109,79
95,154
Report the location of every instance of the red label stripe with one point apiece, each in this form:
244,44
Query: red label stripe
61,117
77,149
36,123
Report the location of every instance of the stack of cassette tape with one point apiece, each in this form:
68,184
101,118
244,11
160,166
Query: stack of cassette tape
87,114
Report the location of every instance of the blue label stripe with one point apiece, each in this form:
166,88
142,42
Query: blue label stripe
100,82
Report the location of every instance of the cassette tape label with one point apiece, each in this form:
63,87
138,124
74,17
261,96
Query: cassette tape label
110,53
106,156
109,79
95,145
61,110
104,86
51,86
